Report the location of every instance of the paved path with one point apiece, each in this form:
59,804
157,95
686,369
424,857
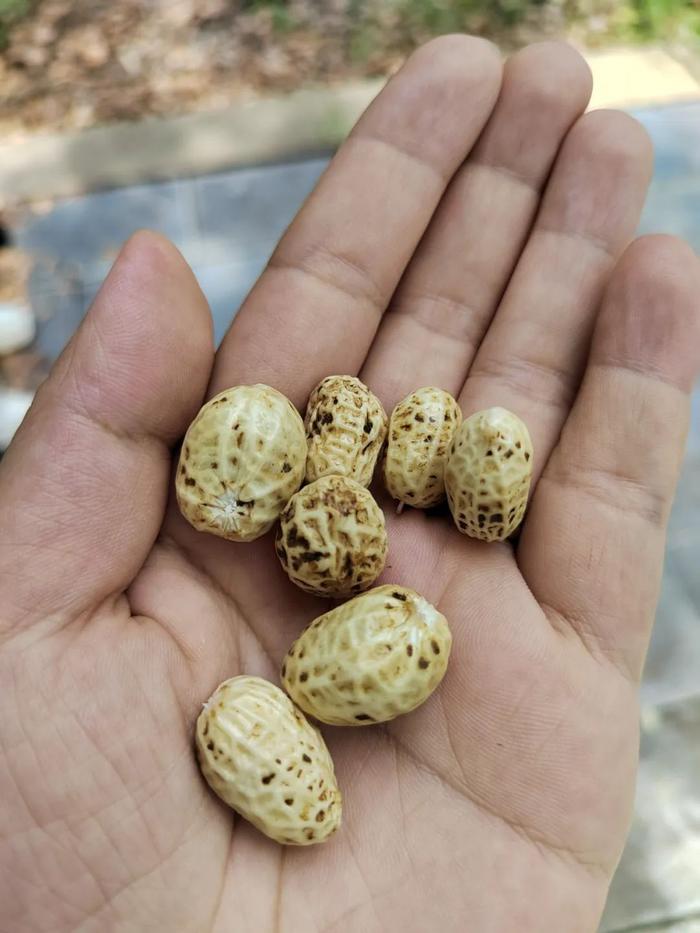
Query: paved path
226,225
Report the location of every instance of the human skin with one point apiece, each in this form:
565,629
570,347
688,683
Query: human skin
473,233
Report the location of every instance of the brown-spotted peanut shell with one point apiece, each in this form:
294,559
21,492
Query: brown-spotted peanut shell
369,660
262,757
242,458
488,474
420,432
345,428
332,538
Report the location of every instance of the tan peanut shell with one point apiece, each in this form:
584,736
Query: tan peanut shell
373,658
242,458
332,537
345,428
488,474
262,757
421,429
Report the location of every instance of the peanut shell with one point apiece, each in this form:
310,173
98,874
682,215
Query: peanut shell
345,428
332,538
421,429
488,474
369,660
262,757
242,458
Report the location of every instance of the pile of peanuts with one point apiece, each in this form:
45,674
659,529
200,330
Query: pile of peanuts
384,651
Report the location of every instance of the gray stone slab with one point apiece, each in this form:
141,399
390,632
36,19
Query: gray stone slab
674,207
673,664
259,130
57,297
675,132
693,445
91,229
659,875
226,225
226,286
687,925
242,214
690,925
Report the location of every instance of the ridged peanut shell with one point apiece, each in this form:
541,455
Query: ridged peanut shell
242,458
488,474
374,658
345,429
262,757
332,539
421,429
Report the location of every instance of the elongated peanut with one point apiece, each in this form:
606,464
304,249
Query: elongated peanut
421,429
242,458
488,474
332,537
373,658
262,757
345,428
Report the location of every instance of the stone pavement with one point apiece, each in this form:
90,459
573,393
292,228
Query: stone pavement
226,225
267,129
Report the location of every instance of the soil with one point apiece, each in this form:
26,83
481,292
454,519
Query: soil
72,64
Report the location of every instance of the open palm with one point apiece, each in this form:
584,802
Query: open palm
478,206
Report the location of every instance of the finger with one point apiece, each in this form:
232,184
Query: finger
316,307
592,546
456,278
84,484
533,355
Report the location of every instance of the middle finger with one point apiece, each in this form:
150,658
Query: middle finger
456,278
316,307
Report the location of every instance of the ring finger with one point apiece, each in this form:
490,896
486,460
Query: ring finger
532,357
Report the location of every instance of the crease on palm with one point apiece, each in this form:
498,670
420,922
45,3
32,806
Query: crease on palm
460,784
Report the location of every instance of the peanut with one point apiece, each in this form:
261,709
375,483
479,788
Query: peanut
373,658
488,474
242,458
262,757
421,429
345,428
332,537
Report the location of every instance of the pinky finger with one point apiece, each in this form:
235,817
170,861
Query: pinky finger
592,547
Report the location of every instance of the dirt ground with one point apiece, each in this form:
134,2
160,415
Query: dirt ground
76,63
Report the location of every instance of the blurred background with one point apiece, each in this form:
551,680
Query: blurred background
210,120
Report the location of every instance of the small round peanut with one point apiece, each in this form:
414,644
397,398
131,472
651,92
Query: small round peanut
421,429
488,474
332,538
262,757
345,428
374,658
242,458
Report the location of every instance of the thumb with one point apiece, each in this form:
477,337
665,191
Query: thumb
84,484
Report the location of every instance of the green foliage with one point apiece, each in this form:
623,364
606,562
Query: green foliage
282,19
10,12
414,20
661,19
11,9
440,16
630,19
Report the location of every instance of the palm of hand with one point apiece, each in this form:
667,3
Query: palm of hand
502,803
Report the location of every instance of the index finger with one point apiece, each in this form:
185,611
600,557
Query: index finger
316,307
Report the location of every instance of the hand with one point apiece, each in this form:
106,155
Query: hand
490,223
